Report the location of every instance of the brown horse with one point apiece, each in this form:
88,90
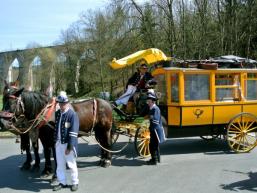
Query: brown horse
94,115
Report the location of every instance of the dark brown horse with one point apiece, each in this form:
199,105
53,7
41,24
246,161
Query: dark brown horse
94,115
45,133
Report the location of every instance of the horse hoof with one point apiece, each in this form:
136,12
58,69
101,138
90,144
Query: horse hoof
25,166
35,168
101,162
106,163
45,174
54,180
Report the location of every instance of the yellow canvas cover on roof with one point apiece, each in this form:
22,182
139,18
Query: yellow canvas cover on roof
151,55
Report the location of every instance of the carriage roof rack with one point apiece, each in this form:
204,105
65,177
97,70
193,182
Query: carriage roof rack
228,61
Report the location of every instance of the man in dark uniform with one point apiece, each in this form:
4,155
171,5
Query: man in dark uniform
139,80
66,142
142,78
156,129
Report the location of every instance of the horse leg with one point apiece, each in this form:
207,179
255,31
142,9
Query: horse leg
46,136
99,138
25,145
48,166
102,160
48,170
52,146
107,144
54,177
36,165
104,139
27,164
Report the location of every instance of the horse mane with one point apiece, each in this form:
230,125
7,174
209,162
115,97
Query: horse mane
34,102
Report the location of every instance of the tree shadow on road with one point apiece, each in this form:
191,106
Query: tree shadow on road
249,184
89,155
129,157
13,178
194,145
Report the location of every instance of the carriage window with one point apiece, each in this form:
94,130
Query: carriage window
174,87
197,87
227,87
161,88
223,79
251,86
224,94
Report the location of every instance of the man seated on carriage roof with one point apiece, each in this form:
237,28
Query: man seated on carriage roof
140,80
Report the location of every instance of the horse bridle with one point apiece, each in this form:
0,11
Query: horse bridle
40,120
19,104
14,118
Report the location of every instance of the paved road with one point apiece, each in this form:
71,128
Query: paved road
188,165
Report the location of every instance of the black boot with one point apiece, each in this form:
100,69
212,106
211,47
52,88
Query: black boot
59,187
158,155
114,104
152,162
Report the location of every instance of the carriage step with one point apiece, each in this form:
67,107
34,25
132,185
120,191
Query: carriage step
125,116
120,112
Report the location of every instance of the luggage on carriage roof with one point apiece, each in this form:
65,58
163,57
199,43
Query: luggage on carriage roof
229,61
208,66
232,61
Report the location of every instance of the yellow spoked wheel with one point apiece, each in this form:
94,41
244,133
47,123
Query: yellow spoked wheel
242,132
142,141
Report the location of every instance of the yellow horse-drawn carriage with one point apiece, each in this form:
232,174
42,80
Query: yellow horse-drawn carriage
200,102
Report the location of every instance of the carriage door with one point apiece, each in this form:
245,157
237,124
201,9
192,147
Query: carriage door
174,111
250,93
196,109
228,96
161,93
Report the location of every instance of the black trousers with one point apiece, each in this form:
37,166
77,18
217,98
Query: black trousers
154,146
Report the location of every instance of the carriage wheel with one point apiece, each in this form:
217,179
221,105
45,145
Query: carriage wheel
142,140
241,132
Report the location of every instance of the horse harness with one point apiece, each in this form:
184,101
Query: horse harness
41,119
94,114
94,111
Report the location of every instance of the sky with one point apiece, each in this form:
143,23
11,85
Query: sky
24,22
